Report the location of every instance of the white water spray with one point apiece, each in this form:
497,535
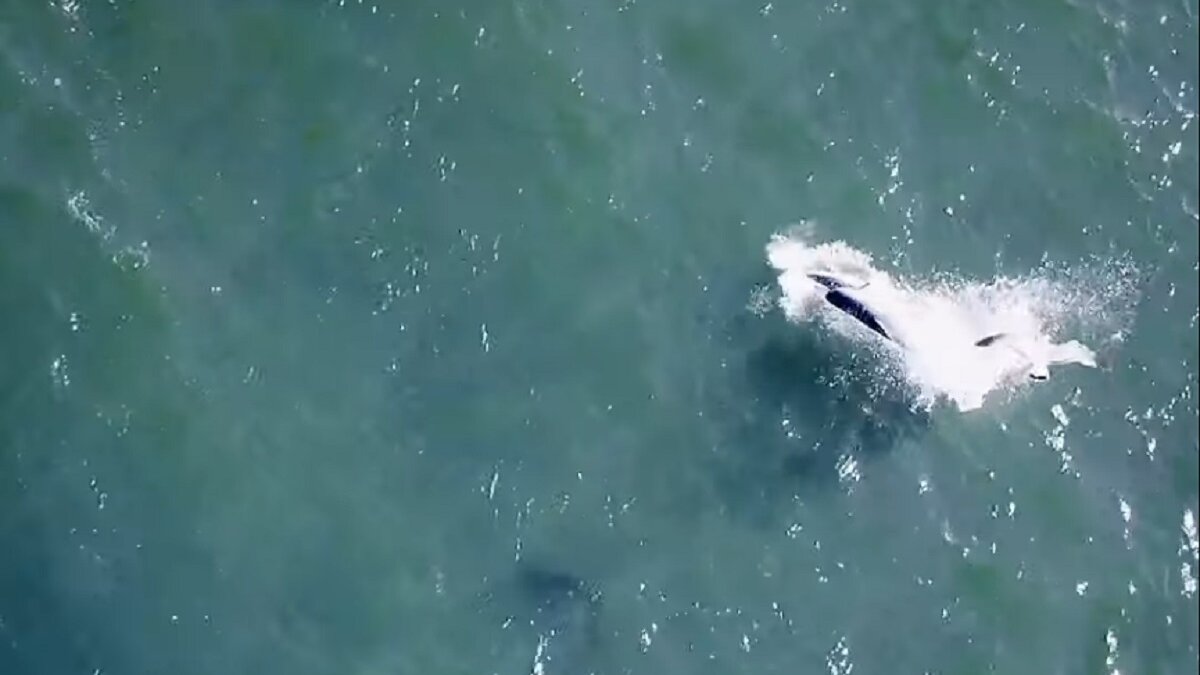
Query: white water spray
936,324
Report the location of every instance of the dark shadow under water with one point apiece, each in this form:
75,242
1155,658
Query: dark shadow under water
548,609
804,405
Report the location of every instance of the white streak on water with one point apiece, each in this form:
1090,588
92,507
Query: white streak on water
1189,532
1056,439
539,665
491,490
1190,545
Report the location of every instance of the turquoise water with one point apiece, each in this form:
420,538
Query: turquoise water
359,338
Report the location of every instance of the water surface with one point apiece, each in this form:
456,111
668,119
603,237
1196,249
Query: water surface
358,338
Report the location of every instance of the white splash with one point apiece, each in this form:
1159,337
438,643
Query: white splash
70,9
939,320
1126,515
1189,533
59,372
80,208
923,485
847,470
647,637
838,659
1110,660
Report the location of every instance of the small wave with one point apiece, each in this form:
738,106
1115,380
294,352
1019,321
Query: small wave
941,317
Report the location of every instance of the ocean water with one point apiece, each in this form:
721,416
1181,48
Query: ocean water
348,337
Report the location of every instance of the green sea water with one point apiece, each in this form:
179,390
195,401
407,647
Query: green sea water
356,338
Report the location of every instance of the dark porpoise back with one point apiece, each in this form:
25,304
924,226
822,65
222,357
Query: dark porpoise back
838,298
854,308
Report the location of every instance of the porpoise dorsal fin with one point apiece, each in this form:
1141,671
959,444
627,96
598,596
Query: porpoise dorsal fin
990,340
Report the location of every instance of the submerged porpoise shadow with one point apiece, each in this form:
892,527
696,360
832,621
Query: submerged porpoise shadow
552,615
809,400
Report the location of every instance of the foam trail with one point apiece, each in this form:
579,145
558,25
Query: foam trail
937,323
